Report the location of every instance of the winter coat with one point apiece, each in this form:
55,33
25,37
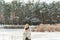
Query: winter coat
27,35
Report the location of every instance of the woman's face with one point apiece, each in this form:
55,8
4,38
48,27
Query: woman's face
26,26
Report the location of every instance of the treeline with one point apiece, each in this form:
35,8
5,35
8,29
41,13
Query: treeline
34,13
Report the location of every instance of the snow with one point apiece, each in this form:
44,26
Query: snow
45,35
17,34
11,34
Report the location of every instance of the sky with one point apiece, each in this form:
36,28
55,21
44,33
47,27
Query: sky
47,1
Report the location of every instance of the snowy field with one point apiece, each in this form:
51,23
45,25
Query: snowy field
17,34
11,34
45,35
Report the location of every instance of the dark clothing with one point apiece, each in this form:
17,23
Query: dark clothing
27,38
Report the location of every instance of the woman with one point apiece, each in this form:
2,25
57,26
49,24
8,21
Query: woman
27,33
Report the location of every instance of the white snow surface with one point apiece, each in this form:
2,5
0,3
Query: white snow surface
45,35
11,34
17,34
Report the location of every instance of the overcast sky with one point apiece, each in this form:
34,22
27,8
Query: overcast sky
47,1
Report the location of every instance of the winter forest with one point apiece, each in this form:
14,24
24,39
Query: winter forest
17,12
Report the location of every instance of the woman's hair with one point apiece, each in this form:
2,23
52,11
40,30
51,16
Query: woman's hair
27,28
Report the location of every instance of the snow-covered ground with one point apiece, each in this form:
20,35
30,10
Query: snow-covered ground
17,34
11,34
45,35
